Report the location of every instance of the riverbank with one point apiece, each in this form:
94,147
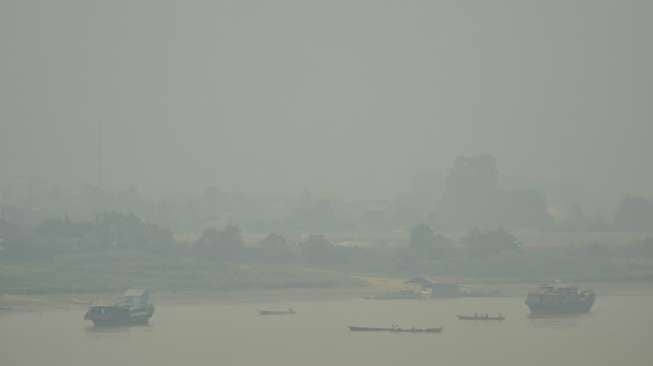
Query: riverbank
284,297
10,302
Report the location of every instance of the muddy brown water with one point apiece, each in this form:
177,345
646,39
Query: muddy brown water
619,330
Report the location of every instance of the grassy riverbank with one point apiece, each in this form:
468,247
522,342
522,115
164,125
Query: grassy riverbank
110,272
84,276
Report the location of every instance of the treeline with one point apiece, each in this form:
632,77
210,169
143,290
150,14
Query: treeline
113,231
472,195
479,252
109,231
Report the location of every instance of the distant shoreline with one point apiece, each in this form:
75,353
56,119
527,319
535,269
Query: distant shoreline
69,301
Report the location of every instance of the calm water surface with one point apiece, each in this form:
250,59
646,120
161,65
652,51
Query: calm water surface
619,330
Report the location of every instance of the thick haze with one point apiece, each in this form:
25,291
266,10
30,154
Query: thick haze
344,98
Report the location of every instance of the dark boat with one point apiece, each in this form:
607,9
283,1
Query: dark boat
368,329
395,329
416,330
134,307
499,317
290,311
557,299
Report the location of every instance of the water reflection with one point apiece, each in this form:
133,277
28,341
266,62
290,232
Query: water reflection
557,320
226,335
109,329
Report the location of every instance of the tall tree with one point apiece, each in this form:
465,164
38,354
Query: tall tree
424,242
482,243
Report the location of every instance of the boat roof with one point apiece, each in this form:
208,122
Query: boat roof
558,286
419,281
135,292
555,288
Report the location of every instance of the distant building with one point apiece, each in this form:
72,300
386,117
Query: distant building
473,197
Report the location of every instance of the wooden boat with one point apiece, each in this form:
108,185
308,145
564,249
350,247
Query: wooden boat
395,329
134,307
417,330
290,311
368,329
481,317
559,299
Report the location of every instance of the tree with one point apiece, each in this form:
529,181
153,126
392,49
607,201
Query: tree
318,215
483,243
109,231
273,248
318,249
228,241
422,237
127,231
13,241
274,241
426,243
635,214
641,248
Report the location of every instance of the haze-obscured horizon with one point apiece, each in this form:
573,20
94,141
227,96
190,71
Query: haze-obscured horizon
356,100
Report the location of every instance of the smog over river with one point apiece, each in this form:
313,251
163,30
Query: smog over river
326,182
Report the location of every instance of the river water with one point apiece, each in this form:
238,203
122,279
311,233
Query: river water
619,330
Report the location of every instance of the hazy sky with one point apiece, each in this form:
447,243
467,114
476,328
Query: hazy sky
345,98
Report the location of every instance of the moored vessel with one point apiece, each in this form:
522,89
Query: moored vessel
499,317
416,330
134,307
395,329
559,299
368,329
290,311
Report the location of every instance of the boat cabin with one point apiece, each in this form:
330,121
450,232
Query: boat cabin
135,298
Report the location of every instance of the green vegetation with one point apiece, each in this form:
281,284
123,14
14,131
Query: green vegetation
117,251
115,271
484,243
424,243
539,266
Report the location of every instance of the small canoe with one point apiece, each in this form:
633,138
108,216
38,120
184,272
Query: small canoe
368,329
417,330
276,312
481,317
395,329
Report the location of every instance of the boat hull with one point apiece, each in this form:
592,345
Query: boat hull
116,315
570,307
368,329
395,330
418,330
465,317
274,312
